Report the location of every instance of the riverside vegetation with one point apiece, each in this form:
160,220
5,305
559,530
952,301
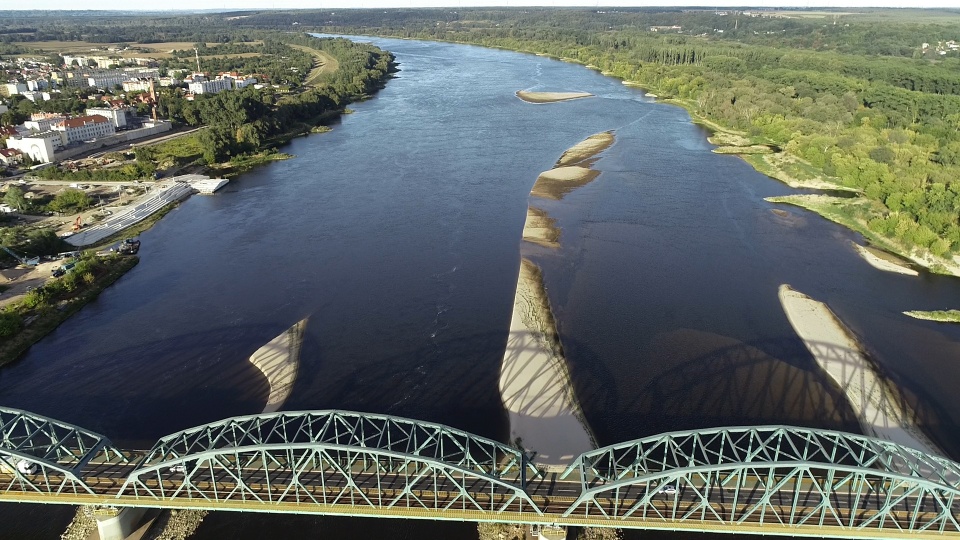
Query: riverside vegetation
853,100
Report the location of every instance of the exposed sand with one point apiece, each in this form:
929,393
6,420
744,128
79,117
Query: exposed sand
550,97
541,229
881,263
279,360
535,383
586,149
556,183
881,412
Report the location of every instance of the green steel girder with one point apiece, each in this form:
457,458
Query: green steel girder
360,430
325,474
61,451
758,444
788,494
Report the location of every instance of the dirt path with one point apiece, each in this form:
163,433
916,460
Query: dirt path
323,63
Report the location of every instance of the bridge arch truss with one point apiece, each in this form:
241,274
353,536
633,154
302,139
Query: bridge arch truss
330,458
796,478
59,455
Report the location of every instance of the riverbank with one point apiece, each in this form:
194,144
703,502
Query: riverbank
279,360
41,319
854,213
879,408
535,384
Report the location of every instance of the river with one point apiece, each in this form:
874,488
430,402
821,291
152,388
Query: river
398,234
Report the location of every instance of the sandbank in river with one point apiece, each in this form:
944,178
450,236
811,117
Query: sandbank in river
550,97
545,417
541,229
279,360
878,261
881,412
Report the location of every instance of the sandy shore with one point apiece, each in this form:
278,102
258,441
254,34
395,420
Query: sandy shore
279,360
535,383
586,149
882,414
840,210
541,229
550,97
880,263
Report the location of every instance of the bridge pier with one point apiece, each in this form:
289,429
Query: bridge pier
117,523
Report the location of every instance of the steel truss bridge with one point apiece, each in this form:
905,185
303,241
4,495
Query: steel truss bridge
762,480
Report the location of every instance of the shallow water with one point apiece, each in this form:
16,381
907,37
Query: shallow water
398,234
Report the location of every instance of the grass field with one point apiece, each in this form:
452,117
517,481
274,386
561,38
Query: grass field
323,63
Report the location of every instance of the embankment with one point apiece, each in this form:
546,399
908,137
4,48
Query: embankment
880,409
279,360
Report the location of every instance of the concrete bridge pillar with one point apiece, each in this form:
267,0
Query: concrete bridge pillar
117,523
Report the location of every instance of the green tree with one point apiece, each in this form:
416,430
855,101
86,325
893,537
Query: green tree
14,197
70,199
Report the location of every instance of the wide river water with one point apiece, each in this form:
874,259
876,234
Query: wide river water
398,234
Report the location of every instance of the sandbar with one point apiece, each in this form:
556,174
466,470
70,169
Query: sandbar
947,315
541,229
550,97
881,412
557,183
279,360
535,387
586,149
880,263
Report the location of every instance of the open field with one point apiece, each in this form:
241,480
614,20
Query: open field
137,50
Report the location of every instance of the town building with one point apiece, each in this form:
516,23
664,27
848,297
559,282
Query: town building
12,89
118,115
106,81
211,87
43,121
39,146
10,156
84,128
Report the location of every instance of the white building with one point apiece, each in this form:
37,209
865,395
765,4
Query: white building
244,82
211,87
106,80
40,146
117,115
136,85
42,122
84,128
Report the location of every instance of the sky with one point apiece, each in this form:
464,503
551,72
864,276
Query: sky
341,4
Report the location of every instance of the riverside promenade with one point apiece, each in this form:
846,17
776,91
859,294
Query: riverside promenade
174,190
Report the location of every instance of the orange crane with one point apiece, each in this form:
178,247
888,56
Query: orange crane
78,224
